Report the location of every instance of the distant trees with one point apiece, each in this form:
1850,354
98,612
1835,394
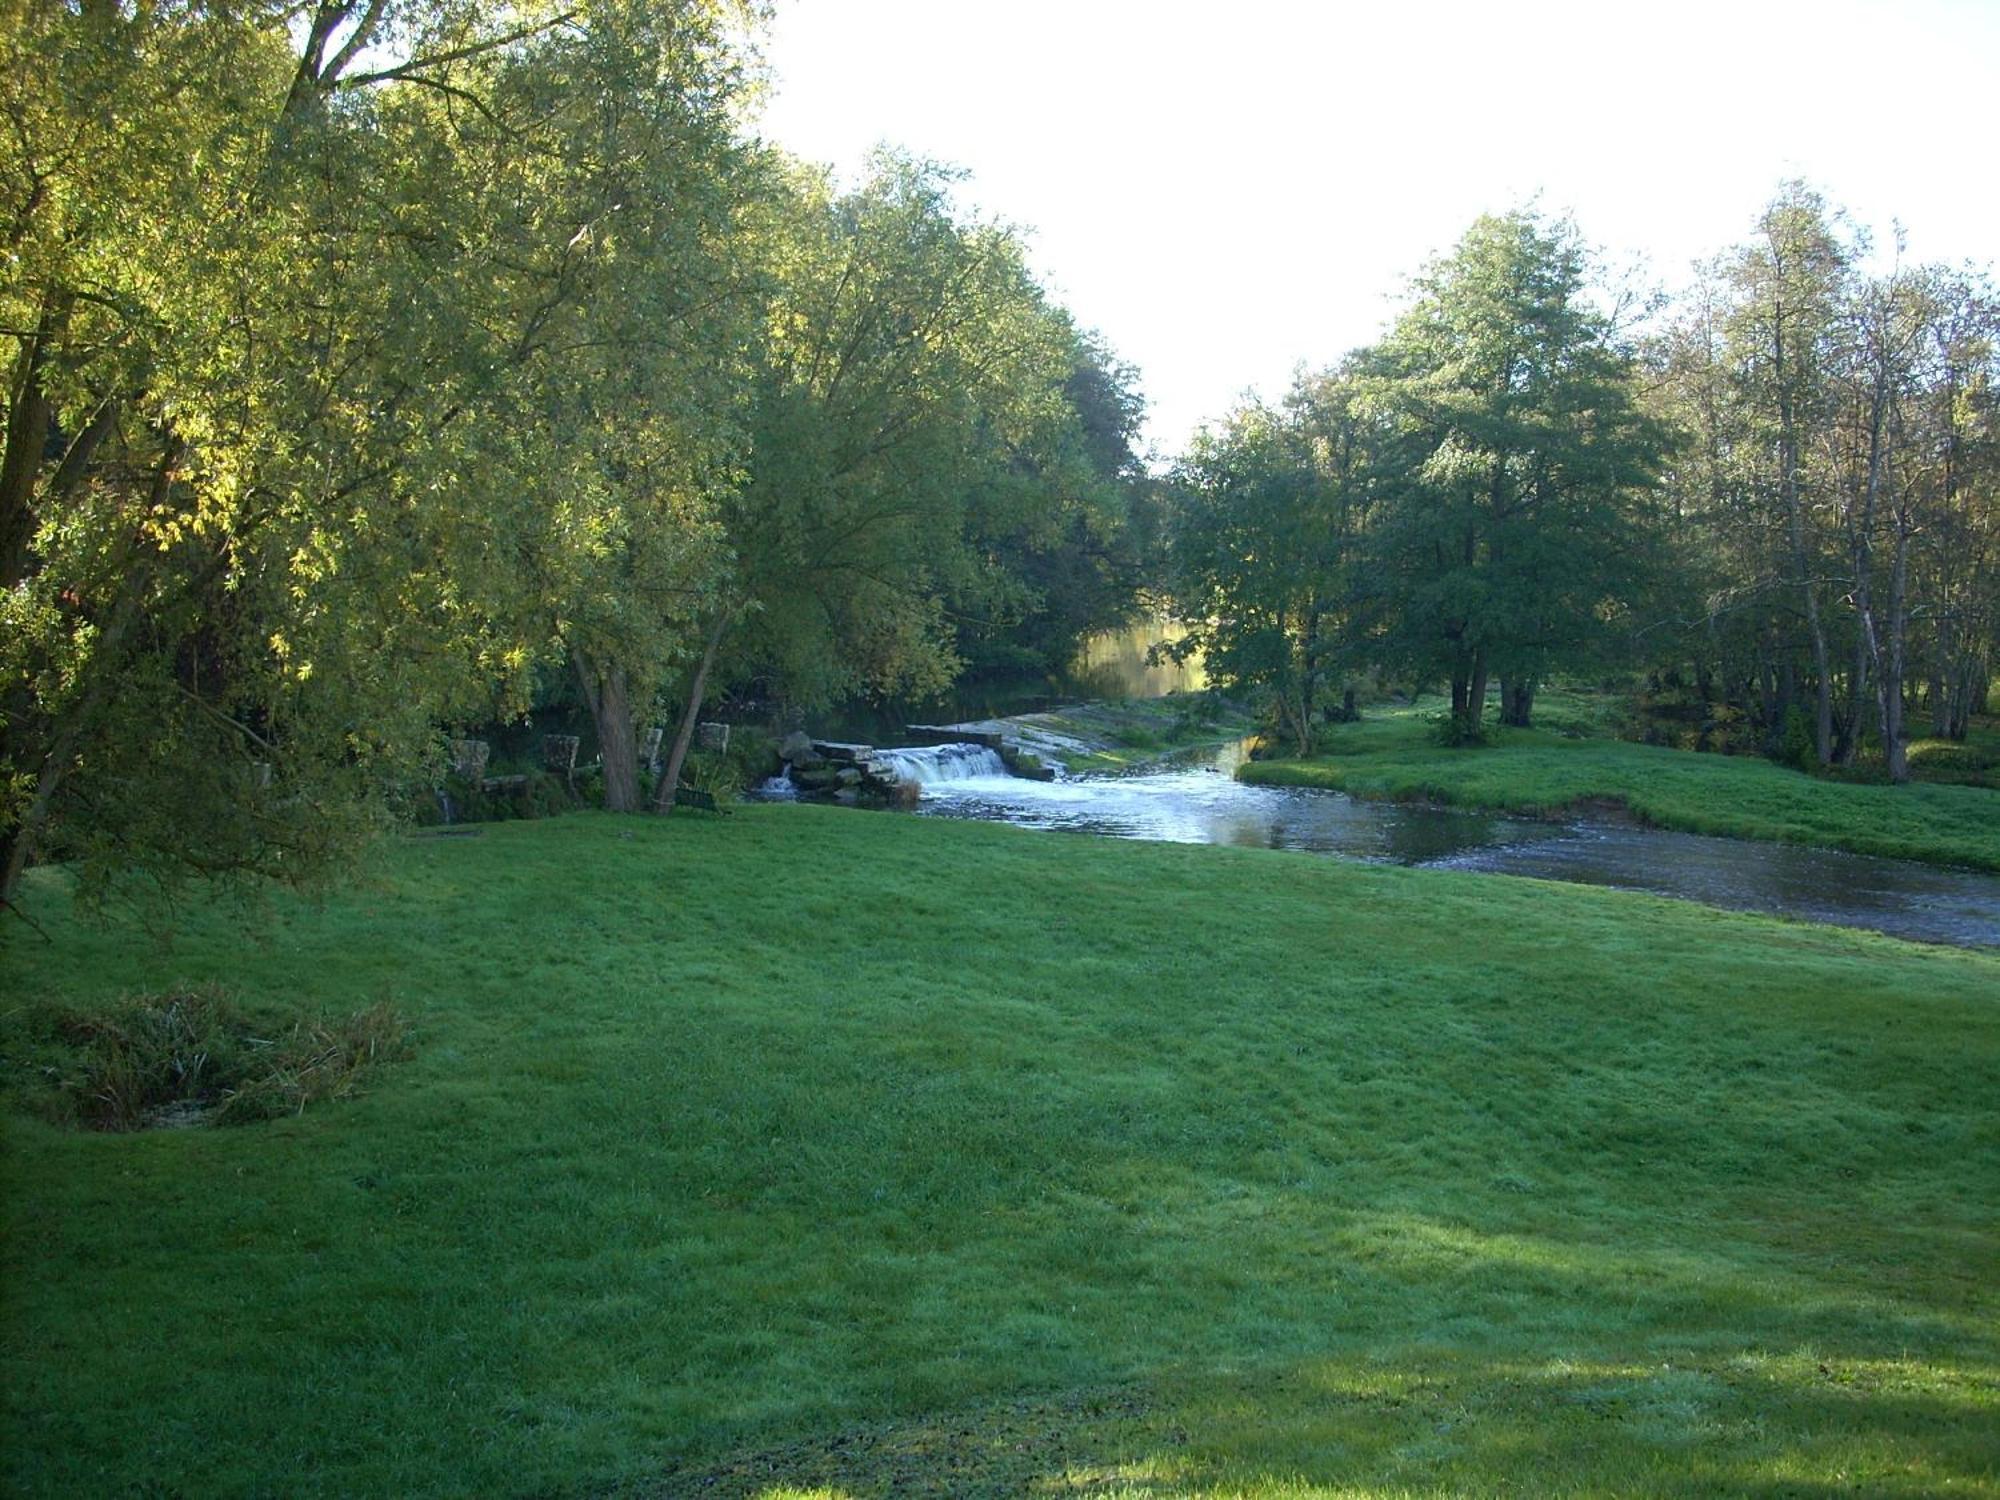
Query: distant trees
1785,497
1514,532
1838,496
906,358
1468,498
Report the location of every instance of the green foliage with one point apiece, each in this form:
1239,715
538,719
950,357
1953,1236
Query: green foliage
1393,754
1456,731
371,361
368,298
1517,486
1795,741
909,357
720,776
1835,497
1267,559
1471,497
1186,1167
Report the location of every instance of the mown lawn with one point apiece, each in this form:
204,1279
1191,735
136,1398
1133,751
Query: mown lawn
829,1152
1391,754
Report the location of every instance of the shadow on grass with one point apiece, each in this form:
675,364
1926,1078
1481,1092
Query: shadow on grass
1397,1423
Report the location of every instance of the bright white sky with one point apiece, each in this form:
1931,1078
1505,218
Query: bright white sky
1225,190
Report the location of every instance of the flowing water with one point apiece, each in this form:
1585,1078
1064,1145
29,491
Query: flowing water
1205,804
939,764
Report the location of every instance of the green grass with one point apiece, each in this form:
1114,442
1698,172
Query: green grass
1565,760
1973,761
817,1151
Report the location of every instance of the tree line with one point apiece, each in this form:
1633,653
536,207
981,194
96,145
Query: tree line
1780,489
368,359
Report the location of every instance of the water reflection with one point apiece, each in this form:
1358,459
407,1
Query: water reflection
1118,662
1206,805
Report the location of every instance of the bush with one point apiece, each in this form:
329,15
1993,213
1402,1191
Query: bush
193,1058
1448,730
1797,744
1949,756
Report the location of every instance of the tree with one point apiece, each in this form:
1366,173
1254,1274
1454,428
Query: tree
1835,497
906,355
1520,470
1270,515
1790,282
273,294
1068,537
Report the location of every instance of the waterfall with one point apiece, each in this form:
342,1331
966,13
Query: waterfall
934,763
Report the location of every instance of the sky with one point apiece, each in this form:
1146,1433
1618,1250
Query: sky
1226,191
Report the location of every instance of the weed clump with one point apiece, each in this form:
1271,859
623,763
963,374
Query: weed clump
192,1058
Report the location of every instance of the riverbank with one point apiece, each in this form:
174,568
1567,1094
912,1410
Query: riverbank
1570,763
996,1160
1117,734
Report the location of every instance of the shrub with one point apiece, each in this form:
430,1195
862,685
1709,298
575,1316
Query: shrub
192,1058
1448,730
1797,745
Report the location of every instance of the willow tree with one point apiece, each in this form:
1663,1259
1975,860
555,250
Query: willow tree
905,352
274,275
1518,470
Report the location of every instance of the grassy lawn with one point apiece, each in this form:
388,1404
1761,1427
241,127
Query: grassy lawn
1564,760
810,1151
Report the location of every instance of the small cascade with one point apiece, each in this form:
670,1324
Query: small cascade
930,764
779,788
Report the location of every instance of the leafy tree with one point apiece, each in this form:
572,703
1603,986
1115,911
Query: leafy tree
1835,499
1070,537
273,292
1517,479
906,355
1266,560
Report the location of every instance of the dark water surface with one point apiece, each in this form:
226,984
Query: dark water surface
1205,804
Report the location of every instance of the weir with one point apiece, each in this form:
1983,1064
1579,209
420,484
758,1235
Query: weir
928,765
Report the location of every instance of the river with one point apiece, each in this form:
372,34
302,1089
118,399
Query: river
1203,803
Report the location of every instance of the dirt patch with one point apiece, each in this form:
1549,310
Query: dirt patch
1602,809
1076,1444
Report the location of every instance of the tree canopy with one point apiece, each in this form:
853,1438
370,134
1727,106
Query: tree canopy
368,357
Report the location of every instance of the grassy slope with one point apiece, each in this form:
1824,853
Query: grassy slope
901,1156
1133,732
1390,754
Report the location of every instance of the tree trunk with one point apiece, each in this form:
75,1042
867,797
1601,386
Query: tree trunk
1895,740
1517,701
29,412
670,775
605,690
1475,696
1788,488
